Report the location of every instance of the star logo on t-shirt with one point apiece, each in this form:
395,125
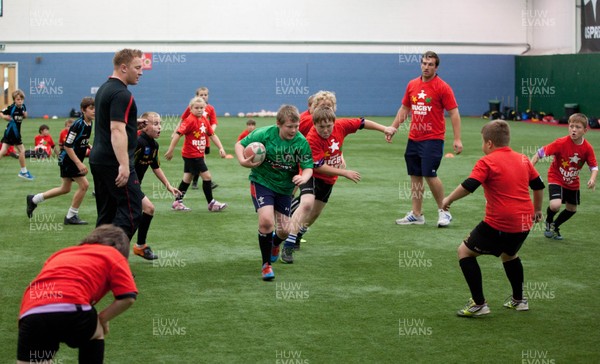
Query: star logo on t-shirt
414,99
197,134
422,94
565,164
203,129
575,159
334,146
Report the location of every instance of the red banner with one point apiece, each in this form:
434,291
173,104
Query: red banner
147,61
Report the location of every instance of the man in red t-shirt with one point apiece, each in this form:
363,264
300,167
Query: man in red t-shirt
425,99
197,130
570,153
326,140
58,305
506,177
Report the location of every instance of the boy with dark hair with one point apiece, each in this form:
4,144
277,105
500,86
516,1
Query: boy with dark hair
43,144
570,153
58,305
272,181
506,177
250,126
70,161
14,114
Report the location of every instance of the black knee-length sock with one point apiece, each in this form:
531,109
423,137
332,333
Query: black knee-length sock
472,273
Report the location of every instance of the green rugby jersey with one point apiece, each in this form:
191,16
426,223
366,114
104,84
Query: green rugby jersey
283,161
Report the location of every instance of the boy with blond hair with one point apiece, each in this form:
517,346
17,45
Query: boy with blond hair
570,153
146,155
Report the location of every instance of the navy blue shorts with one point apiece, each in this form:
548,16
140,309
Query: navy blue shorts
484,239
263,196
423,158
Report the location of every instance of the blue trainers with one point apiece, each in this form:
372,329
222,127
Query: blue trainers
274,253
26,176
267,272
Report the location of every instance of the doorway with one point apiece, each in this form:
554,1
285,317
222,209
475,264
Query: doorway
8,82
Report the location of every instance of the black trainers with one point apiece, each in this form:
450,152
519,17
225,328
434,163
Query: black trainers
30,206
287,255
213,185
75,220
297,243
145,252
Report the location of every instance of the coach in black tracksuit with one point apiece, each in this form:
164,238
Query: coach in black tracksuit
118,192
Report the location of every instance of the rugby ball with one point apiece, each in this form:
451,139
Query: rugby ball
257,150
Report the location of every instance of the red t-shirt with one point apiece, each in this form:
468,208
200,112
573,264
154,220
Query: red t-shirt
568,161
243,135
80,274
427,102
197,132
209,113
306,123
329,151
62,137
505,176
44,141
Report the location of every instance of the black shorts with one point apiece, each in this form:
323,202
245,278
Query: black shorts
322,190
68,169
308,188
484,239
40,334
423,158
120,206
194,165
11,139
564,194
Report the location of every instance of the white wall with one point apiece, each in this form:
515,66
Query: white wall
375,26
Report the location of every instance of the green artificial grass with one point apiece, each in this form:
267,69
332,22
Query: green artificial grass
362,289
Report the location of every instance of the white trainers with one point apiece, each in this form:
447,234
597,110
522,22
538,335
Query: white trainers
215,206
519,305
444,218
179,206
411,219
